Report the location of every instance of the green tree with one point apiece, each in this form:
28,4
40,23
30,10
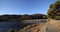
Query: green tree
54,9
11,30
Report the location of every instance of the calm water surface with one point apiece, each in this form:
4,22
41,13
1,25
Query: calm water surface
5,26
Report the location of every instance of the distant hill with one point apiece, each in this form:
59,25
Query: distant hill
21,17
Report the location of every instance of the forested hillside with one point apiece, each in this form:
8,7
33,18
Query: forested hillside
21,17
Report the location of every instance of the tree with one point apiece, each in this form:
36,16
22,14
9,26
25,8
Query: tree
25,17
11,30
38,16
54,9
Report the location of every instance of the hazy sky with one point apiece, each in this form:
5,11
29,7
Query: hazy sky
25,6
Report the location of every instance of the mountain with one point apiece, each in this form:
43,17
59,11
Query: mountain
21,17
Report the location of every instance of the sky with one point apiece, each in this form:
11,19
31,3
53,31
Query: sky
25,6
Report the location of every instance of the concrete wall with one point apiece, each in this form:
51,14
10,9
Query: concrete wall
34,21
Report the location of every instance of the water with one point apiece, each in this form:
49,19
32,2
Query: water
5,26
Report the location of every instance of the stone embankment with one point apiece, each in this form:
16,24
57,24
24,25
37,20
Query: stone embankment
34,28
51,26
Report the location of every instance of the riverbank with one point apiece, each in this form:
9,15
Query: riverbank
5,26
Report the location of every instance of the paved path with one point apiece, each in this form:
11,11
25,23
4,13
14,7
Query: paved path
54,26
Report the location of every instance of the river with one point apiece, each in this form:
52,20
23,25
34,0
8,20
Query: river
5,26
